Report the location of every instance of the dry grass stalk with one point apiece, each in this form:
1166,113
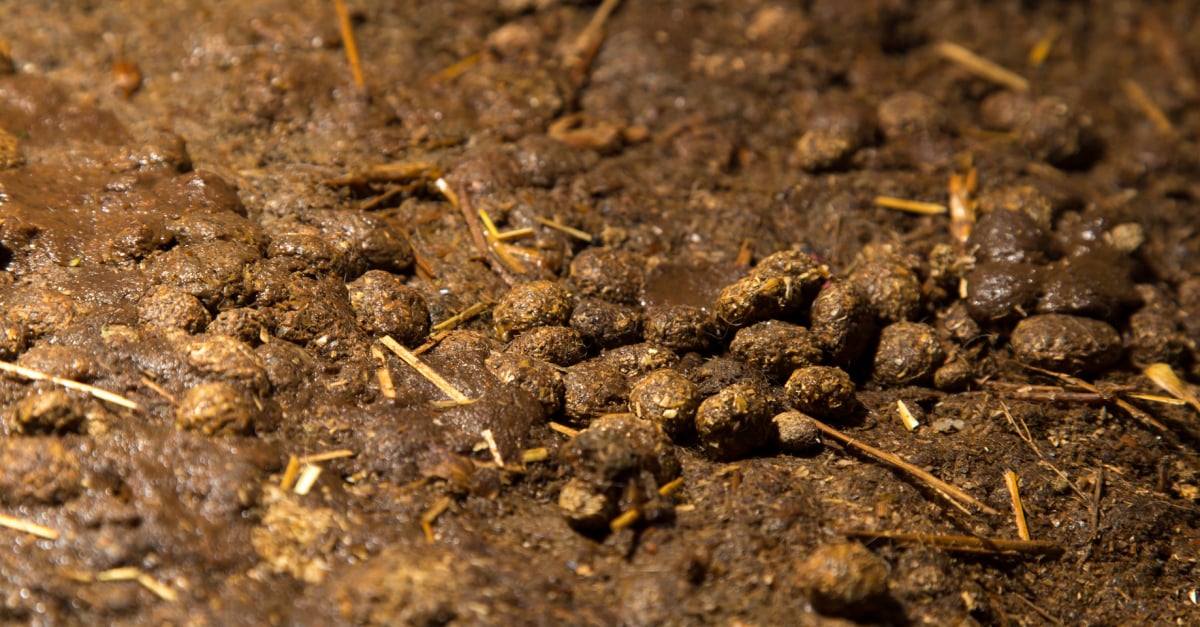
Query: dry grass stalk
745,254
1011,480
382,374
954,495
558,226
34,375
16,524
460,317
1156,398
563,429
514,234
1134,92
447,191
1042,393
347,28
429,373
1041,50
288,481
911,206
317,458
983,67
431,515
307,479
1164,377
490,438
966,544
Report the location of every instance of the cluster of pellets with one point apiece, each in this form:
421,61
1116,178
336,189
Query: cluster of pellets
790,340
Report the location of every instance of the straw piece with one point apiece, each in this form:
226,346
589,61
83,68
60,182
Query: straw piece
317,458
983,67
431,515
16,524
429,373
308,478
911,206
558,226
290,473
563,429
491,445
1041,50
459,318
103,395
1011,480
1164,377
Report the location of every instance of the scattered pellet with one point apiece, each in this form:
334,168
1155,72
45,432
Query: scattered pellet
1008,237
891,288
734,422
822,391
606,325
908,354
608,274
637,359
217,409
166,306
533,375
775,347
593,388
1069,344
529,305
843,579
668,398
796,433
843,322
681,328
384,305
780,284
1002,292
561,346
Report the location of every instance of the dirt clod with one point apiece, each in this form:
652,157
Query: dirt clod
796,433
776,348
52,412
217,409
384,305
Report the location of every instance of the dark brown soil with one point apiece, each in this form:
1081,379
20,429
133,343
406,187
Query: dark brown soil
202,213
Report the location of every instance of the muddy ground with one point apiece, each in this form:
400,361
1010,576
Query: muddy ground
201,212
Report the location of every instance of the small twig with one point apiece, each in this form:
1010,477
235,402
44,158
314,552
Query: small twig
490,439
1011,480
1137,414
103,395
307,479
1026,436
534,455
1041,50
745,254
911,206
626,519
956,496
348,42
983,67
160,390
965,544
962,206
429,373
16,524
1042,393
394,172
